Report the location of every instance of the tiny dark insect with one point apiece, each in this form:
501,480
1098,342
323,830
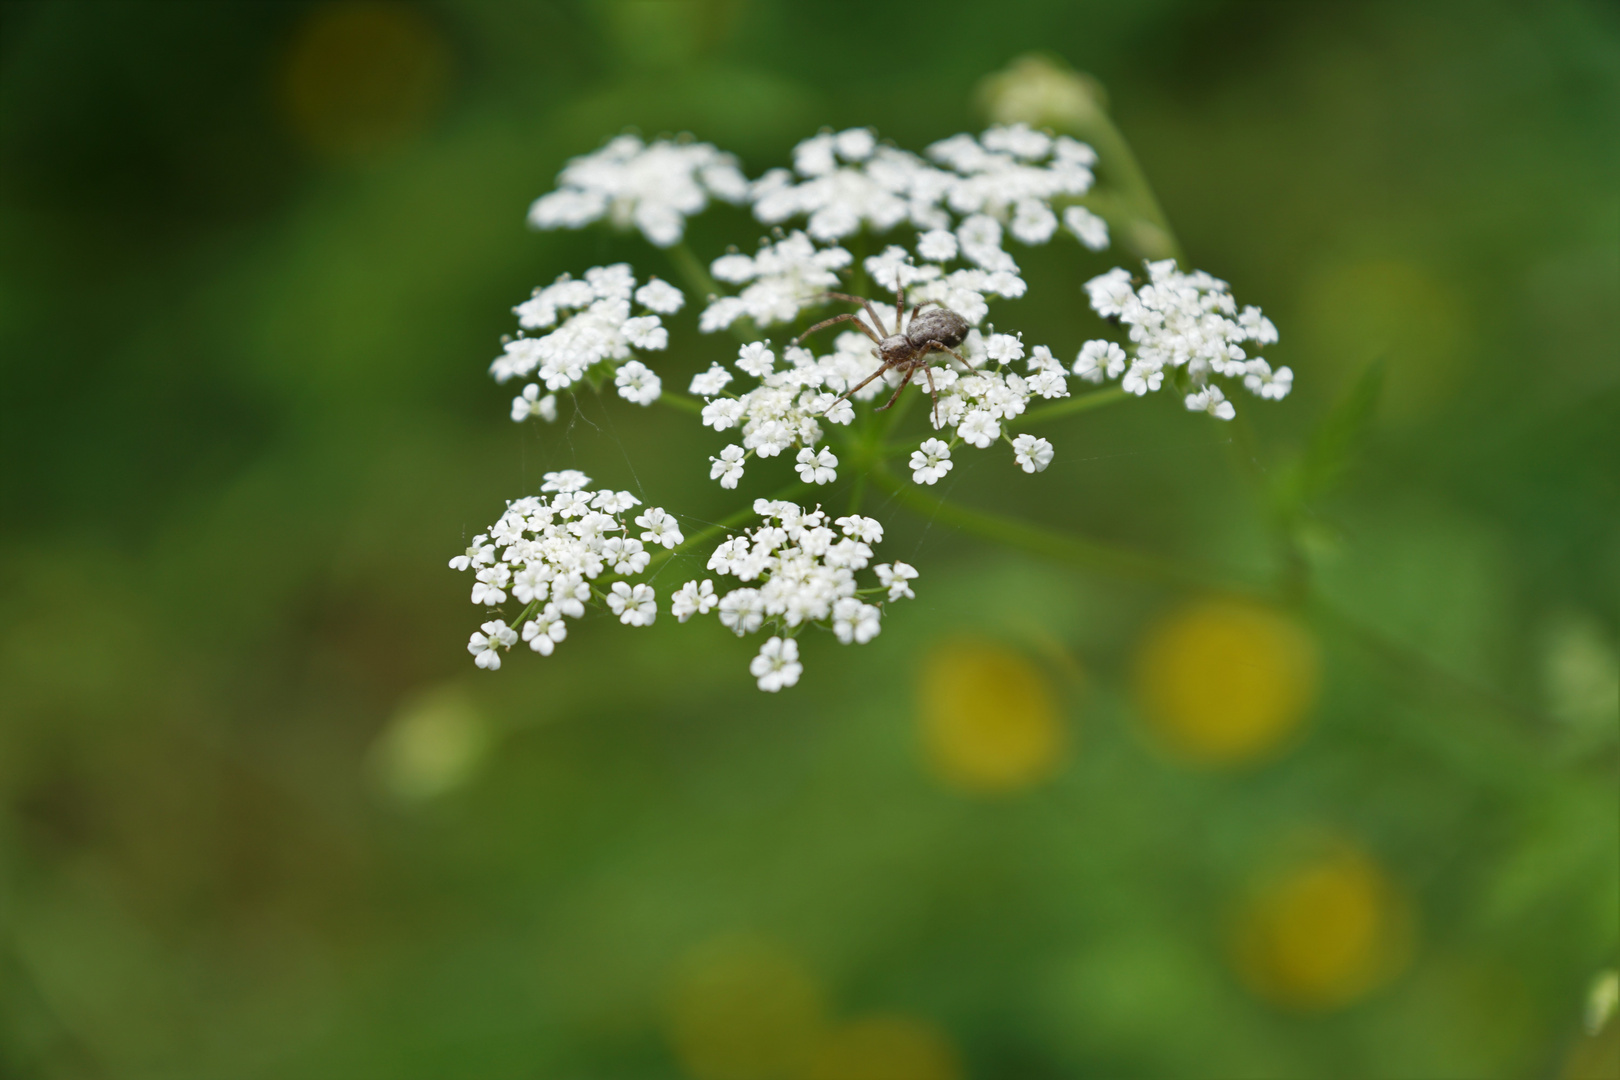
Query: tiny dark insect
907,349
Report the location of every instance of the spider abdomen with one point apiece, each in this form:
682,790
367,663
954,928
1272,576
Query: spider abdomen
937,325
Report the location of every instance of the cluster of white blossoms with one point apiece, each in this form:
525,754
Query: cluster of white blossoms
652,188
785,409
843,182
957,205
780,281
547,553
593,326
1181,322
805,571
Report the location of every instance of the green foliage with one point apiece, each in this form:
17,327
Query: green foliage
259,816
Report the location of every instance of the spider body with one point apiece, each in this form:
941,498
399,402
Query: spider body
908,349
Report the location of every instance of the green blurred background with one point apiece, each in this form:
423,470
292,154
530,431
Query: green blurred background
261,817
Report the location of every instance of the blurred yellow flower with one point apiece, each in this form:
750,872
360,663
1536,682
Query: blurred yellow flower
885,1048
1222,682
362,77
432,745
1324,932
988,717
744,1008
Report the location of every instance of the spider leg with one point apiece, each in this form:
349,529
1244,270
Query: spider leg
899,304
858,385
928,372
865,303
905,382
847,316
932,345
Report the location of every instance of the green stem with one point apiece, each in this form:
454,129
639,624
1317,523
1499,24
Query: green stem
1084,554
1072,405
693,271
1148,231
703,535
1039,540
677,400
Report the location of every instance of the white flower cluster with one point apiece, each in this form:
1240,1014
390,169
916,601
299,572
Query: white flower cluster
548,552
653,188
782,279
593,325
980,403
1013,174
1186,322
806,575
845,181
786,407
572,547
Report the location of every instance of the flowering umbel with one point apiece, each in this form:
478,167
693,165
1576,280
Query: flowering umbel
952,211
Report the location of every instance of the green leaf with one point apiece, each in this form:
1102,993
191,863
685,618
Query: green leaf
1336,443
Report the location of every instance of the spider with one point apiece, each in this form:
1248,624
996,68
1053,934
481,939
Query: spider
908,348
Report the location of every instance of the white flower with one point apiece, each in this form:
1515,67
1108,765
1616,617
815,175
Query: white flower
742,611
711,382
865,529
856,622
1099,360
1004,348
654,188
817,468
930,461
1049,383
728,467
1012,174
1088,227
570,594
625,556
980,237
1261,380
1033,221
478,553
566,480
496,635
1179,320
755,359
660,296
1211,400
1141,378
545,630
777,664
593,325
1033,455
635,606
489,588
784,278
532,583
1259,328
979,428
693,599
637,383
937,245
550,550
723,414
614,502
894,579
846,181
661,528
1110,292
530,403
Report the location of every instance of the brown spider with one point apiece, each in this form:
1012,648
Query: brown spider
907,350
